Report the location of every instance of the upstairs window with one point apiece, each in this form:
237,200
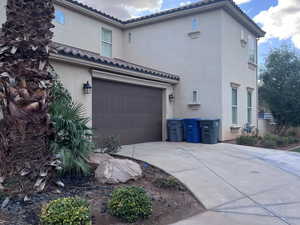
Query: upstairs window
59,16
234,105
252,50
195,97
249,106
129,37
195,24
106,46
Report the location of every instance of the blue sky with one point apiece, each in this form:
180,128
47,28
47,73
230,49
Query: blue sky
279,18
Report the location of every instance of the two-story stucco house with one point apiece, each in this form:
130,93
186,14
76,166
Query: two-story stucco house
196,61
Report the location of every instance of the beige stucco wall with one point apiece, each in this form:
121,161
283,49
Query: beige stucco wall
168,47
85,32
208,64
73,78
80,31
235,68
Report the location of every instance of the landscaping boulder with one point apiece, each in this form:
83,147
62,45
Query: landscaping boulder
114,171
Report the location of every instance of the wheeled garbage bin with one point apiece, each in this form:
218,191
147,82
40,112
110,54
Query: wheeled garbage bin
210,131
192,132
175,130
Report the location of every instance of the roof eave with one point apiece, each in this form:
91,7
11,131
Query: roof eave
244,19
89,12
172,15
89,64
226,5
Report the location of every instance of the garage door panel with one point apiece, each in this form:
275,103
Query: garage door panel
131,112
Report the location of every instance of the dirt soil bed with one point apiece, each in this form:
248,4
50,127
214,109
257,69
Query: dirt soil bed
169,205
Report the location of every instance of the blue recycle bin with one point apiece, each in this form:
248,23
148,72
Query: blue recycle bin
192,131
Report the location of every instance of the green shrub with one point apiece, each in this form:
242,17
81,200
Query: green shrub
293,140
292,133
72,140
2,196
247,140
281,141
130,204
110,145
269,141
169,183
66,211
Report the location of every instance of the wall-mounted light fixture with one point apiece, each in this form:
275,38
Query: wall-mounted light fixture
171,97
87,88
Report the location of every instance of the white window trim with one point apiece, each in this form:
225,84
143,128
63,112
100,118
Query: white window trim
252,52
233,87
250,90
106,42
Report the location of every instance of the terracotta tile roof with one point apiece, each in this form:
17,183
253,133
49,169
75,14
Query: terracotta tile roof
94,10
113,62
174,10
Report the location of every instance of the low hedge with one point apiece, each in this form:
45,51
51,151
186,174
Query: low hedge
66,211
130,204
247,140
268,141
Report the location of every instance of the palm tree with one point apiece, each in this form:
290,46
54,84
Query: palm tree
25,81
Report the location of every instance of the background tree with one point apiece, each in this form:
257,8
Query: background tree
280,90
24,90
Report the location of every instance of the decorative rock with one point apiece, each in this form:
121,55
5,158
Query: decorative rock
99,158
114,171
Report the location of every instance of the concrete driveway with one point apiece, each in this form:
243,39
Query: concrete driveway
238,185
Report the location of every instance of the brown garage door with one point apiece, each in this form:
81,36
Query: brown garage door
131,112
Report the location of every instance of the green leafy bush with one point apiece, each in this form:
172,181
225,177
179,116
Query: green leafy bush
293,140
110,145
270,141
247,140
66,211
73,137
292,133
169,183
130,204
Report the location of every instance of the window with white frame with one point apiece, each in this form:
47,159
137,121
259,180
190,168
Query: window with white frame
195,97
252,49
249,106
129,37
59,16
106,46
234,109
195,24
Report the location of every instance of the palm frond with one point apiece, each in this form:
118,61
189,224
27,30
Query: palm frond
73,138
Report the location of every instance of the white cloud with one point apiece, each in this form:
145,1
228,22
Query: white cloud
281,21
124,9
185,3
241,1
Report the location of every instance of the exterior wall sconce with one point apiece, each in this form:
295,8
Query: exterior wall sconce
87,88
171,97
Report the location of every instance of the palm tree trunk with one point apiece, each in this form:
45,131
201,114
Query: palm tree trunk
24,87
